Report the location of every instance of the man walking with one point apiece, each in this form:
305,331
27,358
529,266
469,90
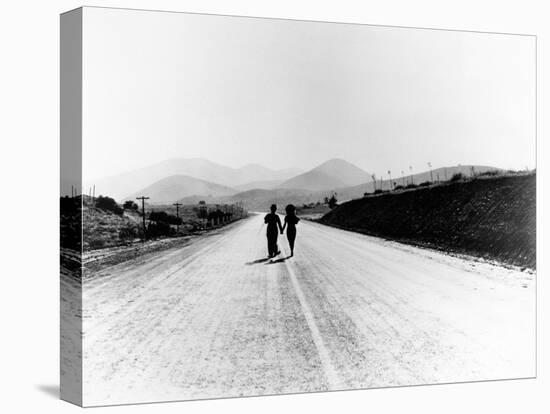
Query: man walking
273,228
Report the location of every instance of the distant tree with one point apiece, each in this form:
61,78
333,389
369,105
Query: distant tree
164,217
130,205
332,202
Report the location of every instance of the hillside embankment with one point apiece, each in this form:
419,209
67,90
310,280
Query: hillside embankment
491,217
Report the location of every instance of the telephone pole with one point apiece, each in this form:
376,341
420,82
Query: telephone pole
431,173
389,175
411,170
178,216
142,198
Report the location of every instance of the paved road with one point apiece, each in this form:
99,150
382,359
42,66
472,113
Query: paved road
348,311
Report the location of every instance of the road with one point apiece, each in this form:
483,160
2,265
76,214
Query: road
215,319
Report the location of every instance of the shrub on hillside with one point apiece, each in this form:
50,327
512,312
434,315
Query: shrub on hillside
96,243
159,229
457,177
108,204
130,205
398,187
378,191
490,173
411,186
128,232
425,184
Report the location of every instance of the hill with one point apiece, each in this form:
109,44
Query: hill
260,200
331,174
438,174
258,173
122,185
176,187
493,218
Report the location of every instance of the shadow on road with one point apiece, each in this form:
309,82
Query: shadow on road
281,260
258,261
267,261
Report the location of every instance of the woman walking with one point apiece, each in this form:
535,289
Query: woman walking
290,220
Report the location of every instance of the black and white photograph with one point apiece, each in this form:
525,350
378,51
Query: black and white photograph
259,206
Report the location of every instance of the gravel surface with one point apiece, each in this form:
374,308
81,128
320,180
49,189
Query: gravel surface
214,318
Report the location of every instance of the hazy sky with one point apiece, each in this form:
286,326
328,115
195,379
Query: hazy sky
289,93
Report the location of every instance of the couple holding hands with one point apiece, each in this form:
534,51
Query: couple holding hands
273,222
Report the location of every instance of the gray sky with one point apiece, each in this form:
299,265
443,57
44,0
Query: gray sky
288,93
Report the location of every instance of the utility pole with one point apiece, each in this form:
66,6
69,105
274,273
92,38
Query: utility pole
403,177
445,174
142,198
431,173
389,175
177,215
374,181
411,170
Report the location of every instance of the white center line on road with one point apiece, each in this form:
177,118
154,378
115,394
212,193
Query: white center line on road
332,377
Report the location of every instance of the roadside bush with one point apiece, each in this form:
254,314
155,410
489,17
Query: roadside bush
159,229
378,191
425,184
411,186
108,204
398,187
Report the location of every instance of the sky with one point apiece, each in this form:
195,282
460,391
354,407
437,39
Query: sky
286,93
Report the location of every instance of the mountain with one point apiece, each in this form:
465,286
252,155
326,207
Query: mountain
255,172
121,185
261,199
176,187
331,174
262,185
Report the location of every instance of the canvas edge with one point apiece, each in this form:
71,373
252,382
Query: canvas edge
71,36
